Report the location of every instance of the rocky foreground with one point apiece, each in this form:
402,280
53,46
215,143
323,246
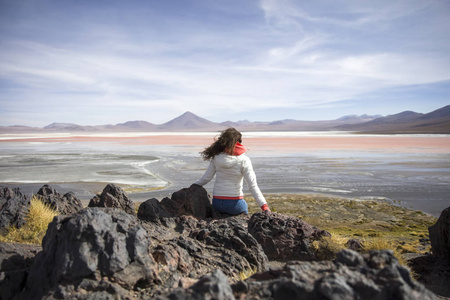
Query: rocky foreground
180,248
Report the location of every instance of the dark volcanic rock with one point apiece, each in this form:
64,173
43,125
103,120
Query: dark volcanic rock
283,237
16,256
153,210
189,201
375,275
434,270
103,250
13,207
65,205
440,235
213,286
106,253
113,196
15,260
190,248
355,244
241,250
192,201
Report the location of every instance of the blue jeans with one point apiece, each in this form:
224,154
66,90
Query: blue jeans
231,207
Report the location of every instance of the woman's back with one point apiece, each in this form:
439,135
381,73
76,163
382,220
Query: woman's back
230,165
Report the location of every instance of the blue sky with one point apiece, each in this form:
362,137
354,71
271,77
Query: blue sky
95,62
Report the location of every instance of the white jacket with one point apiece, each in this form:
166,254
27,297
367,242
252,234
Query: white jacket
231,170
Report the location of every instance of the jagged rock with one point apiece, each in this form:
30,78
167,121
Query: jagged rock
152,210
355,244
375,275
283,237
440,235
114,197
196,246
433,272
65,205
106,253
189,247
96,249
193,201
213,286
102,251
230,235
15,260
16,256
13,207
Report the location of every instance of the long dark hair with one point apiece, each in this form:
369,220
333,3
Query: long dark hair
225,143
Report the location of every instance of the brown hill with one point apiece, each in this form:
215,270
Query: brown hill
437,121
189,122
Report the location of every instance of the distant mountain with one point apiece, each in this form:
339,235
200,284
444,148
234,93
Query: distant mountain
443,112
358,119
189,121
135,125
68,127
60,126
437,121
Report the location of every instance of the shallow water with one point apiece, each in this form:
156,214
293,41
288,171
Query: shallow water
418,179
421,183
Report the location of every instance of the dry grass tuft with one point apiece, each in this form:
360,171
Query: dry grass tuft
327,247
37,220
246,273
384,244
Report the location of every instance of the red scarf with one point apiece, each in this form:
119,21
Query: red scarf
238,149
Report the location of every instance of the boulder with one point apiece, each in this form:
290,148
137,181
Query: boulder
283,237
193,201
65,205
189,248
102,250
114,197
211,286
13,207
242,252
440,235
434,270
375,275
153,210
355,244
16,256
15,261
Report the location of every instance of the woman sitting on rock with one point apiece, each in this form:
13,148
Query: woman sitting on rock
228,160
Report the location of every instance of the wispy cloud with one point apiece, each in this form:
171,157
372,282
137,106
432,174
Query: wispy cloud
219,60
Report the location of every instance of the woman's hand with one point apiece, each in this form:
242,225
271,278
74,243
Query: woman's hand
265,207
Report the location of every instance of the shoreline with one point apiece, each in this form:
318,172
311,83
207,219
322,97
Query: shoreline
85,191
344,217
262,142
